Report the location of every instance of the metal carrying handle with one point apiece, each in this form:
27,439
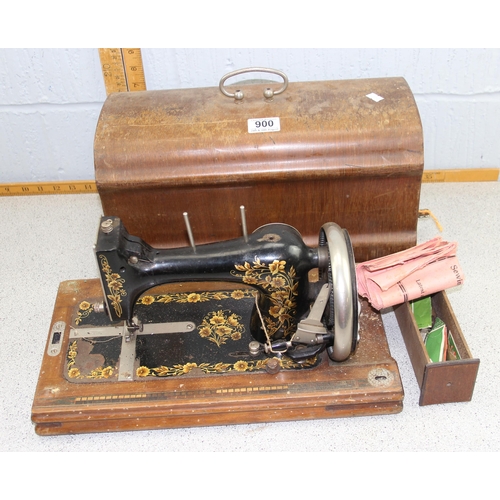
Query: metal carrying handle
268,92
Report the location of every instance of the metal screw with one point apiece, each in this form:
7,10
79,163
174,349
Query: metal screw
273,366
268,93
254,348
107,226
99,307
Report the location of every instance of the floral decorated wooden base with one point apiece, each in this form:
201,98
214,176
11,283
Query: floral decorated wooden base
204,376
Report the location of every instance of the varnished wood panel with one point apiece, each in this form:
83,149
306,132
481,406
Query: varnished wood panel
339,156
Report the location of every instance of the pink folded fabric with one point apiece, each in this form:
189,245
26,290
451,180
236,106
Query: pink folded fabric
419,271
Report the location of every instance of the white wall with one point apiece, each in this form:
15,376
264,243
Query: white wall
50,99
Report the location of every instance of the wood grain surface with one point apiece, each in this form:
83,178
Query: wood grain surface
339,156
366,384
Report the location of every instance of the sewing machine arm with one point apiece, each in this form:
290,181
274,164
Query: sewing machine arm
273,260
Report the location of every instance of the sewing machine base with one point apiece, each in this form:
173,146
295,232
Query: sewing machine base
98,383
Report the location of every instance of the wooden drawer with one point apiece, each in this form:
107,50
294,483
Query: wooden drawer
447,381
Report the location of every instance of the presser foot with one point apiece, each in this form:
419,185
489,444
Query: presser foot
279,348
310,338
296,351
132,328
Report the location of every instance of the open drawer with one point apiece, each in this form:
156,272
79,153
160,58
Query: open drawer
443,382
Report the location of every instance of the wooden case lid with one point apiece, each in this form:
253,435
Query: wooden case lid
199,136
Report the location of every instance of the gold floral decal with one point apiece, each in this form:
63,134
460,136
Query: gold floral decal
115,285
280,286
84,310
72,352
183,298
74,372
218,327
239,366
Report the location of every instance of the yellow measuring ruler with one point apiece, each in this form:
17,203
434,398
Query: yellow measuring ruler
122,70
79,187
461,175
36,188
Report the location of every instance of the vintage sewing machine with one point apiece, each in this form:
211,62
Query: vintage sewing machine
290,315
260,327
245,326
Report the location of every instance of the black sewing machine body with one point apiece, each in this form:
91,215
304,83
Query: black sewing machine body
274,260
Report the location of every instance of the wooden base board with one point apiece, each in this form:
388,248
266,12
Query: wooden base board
367,384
